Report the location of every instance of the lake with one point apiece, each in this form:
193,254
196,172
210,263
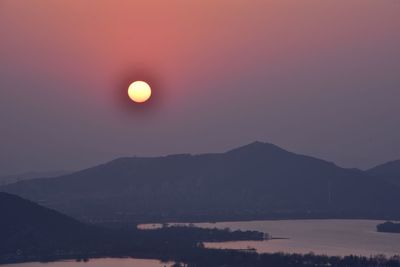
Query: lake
330,237
106,262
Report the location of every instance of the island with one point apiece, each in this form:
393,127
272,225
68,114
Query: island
388,227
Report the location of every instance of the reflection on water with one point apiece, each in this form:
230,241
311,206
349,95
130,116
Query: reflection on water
330,237
150,226
126,262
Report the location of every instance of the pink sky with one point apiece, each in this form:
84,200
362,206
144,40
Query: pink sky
319,77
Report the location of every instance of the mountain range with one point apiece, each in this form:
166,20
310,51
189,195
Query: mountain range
255,181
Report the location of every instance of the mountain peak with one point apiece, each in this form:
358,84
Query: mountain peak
258,179
257,146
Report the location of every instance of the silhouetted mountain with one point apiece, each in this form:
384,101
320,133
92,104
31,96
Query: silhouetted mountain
254,181
389,171
26,227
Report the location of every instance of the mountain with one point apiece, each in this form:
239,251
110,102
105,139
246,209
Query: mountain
27,228
389,171
256,181
6,179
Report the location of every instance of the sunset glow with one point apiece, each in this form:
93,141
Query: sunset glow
194,133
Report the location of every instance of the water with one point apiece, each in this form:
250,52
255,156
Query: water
330,237
108,262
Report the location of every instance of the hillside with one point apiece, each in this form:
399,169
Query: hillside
258,180
29,228
389,171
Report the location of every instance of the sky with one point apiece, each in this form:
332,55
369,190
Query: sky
317,77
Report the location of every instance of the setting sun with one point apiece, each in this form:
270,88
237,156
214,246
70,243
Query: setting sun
139,91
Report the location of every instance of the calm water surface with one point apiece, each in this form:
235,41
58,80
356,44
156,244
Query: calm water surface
128,262
330,237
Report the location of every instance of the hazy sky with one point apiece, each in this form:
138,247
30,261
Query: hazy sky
318,77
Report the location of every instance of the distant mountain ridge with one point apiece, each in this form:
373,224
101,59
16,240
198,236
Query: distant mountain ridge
6,179
259,180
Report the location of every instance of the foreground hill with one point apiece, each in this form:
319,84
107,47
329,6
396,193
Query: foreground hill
259,180
389,171
26,227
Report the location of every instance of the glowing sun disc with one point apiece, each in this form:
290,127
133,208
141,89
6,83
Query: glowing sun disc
139,91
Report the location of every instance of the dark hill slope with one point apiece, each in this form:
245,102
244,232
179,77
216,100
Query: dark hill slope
389,171
30,228
255,181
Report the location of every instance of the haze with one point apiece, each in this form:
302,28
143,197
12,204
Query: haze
316,77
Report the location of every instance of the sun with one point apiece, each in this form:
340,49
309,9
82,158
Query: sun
139,91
